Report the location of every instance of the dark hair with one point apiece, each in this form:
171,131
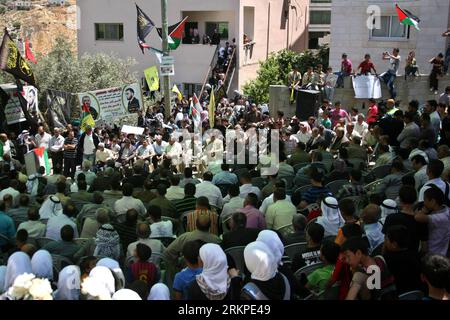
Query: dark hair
207,176
299,222
356,243
191,251
316,175
356,174
97,197
61,187
67,233
419,158
435,167
85,262
189,189
414,104
408,180
225,167
436,194
330,251
245,176
253,199
115,183
398,234
131,215
234,191
279,193
130,89
82,185
347,207
70,209
239,219
22,235
143,252
397,164
280,183
155,212
175,180
24,200
33,214
296,198
301,145
436,269
143,230
162,189
127,189
188,172
351,230
81,176
316,232
408,195
203,202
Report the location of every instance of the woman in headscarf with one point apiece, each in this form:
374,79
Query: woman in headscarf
100,285
159,292
68,284
126,294
107,242
331,219
42,265
265,282
50,208
18,264
388,207
214,283
114,266
339,171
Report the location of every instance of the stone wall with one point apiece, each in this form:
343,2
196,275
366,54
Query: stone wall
413,88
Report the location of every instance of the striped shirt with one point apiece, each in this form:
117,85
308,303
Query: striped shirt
312,194
70,153
184,205
192,220
350,190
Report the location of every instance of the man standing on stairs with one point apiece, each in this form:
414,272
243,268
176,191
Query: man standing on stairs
389,76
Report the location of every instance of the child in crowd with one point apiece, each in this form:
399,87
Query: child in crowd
184,278
141,268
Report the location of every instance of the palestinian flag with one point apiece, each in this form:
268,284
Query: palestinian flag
144,26
42,157
87,119
28,53
175,34
407,18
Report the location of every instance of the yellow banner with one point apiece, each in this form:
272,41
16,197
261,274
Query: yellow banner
152,77
212,109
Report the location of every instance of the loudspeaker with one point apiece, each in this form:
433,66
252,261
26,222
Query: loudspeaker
307,103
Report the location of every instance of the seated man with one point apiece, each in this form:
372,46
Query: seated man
311,254
239,235
143,236
317,189
354,188
391,184
158,227
298,236
280,213
168,209
34,227
64,247
92,224
184,278
203,208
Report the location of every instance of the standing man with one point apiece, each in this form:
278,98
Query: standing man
88,145
389,76
294,80
70,155
330,83
42,138
56,146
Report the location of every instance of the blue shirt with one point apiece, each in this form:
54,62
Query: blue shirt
7,228
225,177
183,280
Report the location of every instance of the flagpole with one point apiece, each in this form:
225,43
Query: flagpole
165,44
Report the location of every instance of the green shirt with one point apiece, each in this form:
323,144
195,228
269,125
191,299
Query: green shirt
319,278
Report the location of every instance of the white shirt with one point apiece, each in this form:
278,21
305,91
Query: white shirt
212,192
154,244
88,146
13,192
43,141
361,128
55,224
7,148
437,182
162,229
144,151
174,193
104,155
56,143
174,151
421,177
35,229
302,137
245,189
125,203
268,201
159,148
232,206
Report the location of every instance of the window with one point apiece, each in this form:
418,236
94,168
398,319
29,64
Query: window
222,27
191,88
320,17
109,31
390,27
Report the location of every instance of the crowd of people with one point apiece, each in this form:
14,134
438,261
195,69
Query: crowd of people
163,216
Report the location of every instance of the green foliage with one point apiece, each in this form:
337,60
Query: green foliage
16,25
2,9
275,70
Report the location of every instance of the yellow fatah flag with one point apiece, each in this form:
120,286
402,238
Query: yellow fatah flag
175,89
152,77
88,120
212,109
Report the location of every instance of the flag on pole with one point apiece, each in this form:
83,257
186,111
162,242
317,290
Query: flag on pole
194,111
212,109
144,26
407,18
175,34
152,78
28,53
175,90
87,119
12,62
42,156
158,53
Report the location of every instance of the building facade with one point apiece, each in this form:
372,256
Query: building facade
372,26
319,23
110,26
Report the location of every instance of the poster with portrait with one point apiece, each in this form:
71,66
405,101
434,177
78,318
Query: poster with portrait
110,105
13,110
367,87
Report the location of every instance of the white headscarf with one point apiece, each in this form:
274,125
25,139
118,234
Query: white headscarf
42,264
51,207
69,284
100,284
126,294
388,207
214,280
115,267
2,278
18,264
331,219
272,240
159,292
260,261
375,235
